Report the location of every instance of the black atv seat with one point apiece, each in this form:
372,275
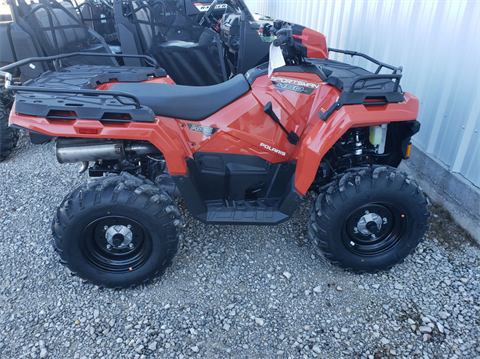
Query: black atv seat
192,103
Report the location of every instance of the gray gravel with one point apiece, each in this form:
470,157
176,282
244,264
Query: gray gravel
236,292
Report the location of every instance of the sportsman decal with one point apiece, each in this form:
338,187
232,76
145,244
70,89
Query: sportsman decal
299,86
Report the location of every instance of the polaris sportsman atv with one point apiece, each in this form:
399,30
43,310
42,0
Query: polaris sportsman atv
245,151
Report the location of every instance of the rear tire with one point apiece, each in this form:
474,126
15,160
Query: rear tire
369,219
8,135
118,231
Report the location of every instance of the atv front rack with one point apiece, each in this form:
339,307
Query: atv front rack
371,59
81,80
359,86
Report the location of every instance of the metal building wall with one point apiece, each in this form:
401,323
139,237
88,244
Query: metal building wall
438,44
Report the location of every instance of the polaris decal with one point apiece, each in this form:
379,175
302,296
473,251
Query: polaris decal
204,8
282,84
206,130
272,149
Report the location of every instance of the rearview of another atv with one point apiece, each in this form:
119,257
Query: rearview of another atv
245,151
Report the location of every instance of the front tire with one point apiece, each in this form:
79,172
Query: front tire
117,231
369,219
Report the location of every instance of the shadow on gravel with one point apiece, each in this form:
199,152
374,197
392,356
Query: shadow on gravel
446,231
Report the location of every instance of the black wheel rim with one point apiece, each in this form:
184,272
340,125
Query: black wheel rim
364,242
116,258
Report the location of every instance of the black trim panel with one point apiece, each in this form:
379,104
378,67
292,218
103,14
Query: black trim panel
238,189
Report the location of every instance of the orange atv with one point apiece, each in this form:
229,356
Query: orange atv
241,152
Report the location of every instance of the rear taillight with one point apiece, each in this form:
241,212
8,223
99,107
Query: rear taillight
88,131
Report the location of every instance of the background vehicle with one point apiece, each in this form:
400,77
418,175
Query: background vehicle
245,151
45,28
196,44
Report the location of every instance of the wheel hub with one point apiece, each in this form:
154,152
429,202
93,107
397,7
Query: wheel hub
369,224
374,228
119,236
116,244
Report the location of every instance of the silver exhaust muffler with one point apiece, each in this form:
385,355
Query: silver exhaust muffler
71,150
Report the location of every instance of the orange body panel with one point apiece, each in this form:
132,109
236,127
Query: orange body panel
163,133
311,43
323,135
316,44
243,127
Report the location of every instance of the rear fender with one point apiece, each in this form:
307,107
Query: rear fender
323,135
164,134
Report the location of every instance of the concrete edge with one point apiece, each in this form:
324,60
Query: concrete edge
451,190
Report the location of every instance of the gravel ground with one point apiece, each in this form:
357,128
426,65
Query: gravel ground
232,292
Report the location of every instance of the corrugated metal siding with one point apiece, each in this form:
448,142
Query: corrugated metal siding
438,44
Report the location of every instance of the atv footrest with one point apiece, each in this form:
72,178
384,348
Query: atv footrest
245,212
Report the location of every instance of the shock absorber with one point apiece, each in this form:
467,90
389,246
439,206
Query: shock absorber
350,150
357,143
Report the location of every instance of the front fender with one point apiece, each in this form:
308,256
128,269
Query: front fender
323,135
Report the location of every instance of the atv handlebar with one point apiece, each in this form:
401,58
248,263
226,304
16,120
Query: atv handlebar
280,40
284,35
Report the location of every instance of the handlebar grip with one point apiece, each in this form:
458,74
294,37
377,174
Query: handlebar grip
280,40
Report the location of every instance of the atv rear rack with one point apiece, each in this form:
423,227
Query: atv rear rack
58,66
371,89
69,80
